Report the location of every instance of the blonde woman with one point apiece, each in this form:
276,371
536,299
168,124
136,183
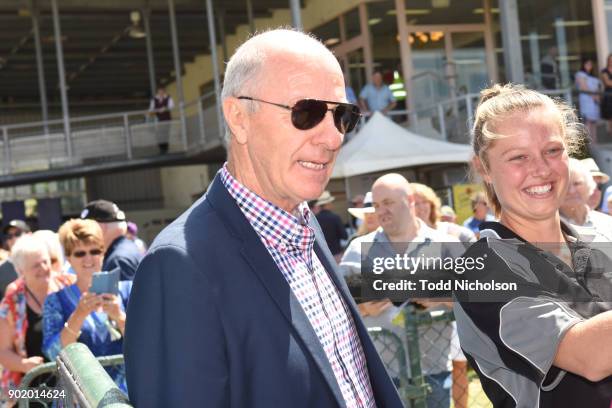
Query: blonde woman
545,343
428,208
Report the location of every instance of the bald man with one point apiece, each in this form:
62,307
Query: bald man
238,302
403,232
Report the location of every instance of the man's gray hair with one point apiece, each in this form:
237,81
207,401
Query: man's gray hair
578,167
244,67
26,246
114,226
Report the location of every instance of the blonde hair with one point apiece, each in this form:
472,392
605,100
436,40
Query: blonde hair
435,203
77,231
363,228
479,197
500,101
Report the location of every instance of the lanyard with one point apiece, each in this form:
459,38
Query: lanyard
33,297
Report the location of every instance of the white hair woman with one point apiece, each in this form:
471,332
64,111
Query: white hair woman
575,209
56,254
22,307
543,338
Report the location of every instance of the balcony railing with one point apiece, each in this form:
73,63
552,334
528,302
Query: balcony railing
195,127
40,146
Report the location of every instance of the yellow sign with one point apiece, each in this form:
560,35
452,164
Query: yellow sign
462,196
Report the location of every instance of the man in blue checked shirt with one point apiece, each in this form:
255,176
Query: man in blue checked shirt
238,302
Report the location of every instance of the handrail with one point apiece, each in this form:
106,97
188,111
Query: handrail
26,380
434,74
87,380
125,136
85,363
118,115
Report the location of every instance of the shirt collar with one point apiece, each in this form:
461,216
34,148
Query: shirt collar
274,225
424,235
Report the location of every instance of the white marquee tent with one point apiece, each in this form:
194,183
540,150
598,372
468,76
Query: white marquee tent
384,145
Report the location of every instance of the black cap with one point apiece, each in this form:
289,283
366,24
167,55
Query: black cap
103,211
19,224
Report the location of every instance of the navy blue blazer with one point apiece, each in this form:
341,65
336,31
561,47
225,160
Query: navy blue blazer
212,322
123,254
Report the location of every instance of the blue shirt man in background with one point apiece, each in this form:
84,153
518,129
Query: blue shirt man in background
376,96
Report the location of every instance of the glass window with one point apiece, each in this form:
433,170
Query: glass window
469,60
555,35
356,70
443,12
329,32
351,24
385,46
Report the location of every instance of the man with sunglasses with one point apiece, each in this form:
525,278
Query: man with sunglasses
239,302
11,232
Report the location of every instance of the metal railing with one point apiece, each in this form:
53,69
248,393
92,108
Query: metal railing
452,119
85,381
110,137
39,146
416,342
76,377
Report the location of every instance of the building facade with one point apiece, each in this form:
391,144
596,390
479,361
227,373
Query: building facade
429,51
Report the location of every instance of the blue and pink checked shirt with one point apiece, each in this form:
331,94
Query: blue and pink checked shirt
290,241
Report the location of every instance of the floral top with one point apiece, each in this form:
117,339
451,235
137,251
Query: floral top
13,309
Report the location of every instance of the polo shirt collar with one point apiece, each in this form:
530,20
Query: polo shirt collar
494,229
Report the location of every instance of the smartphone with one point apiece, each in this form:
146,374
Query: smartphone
105,282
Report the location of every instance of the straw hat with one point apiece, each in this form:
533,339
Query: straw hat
359,212
325,198
592,166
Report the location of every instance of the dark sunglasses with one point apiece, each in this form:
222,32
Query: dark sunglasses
308,113
14,235
92,252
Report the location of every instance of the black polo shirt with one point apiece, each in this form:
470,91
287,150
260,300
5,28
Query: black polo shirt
512,341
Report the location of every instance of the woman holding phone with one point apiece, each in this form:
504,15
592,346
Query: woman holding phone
75,313
546,341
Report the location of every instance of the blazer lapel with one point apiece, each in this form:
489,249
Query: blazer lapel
261,263
329,263
379,379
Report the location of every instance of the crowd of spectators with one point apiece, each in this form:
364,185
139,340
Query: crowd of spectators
49,300
395,213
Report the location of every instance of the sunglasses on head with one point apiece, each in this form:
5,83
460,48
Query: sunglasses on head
92,252
308,113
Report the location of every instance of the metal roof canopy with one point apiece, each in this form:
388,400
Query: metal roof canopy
102,60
